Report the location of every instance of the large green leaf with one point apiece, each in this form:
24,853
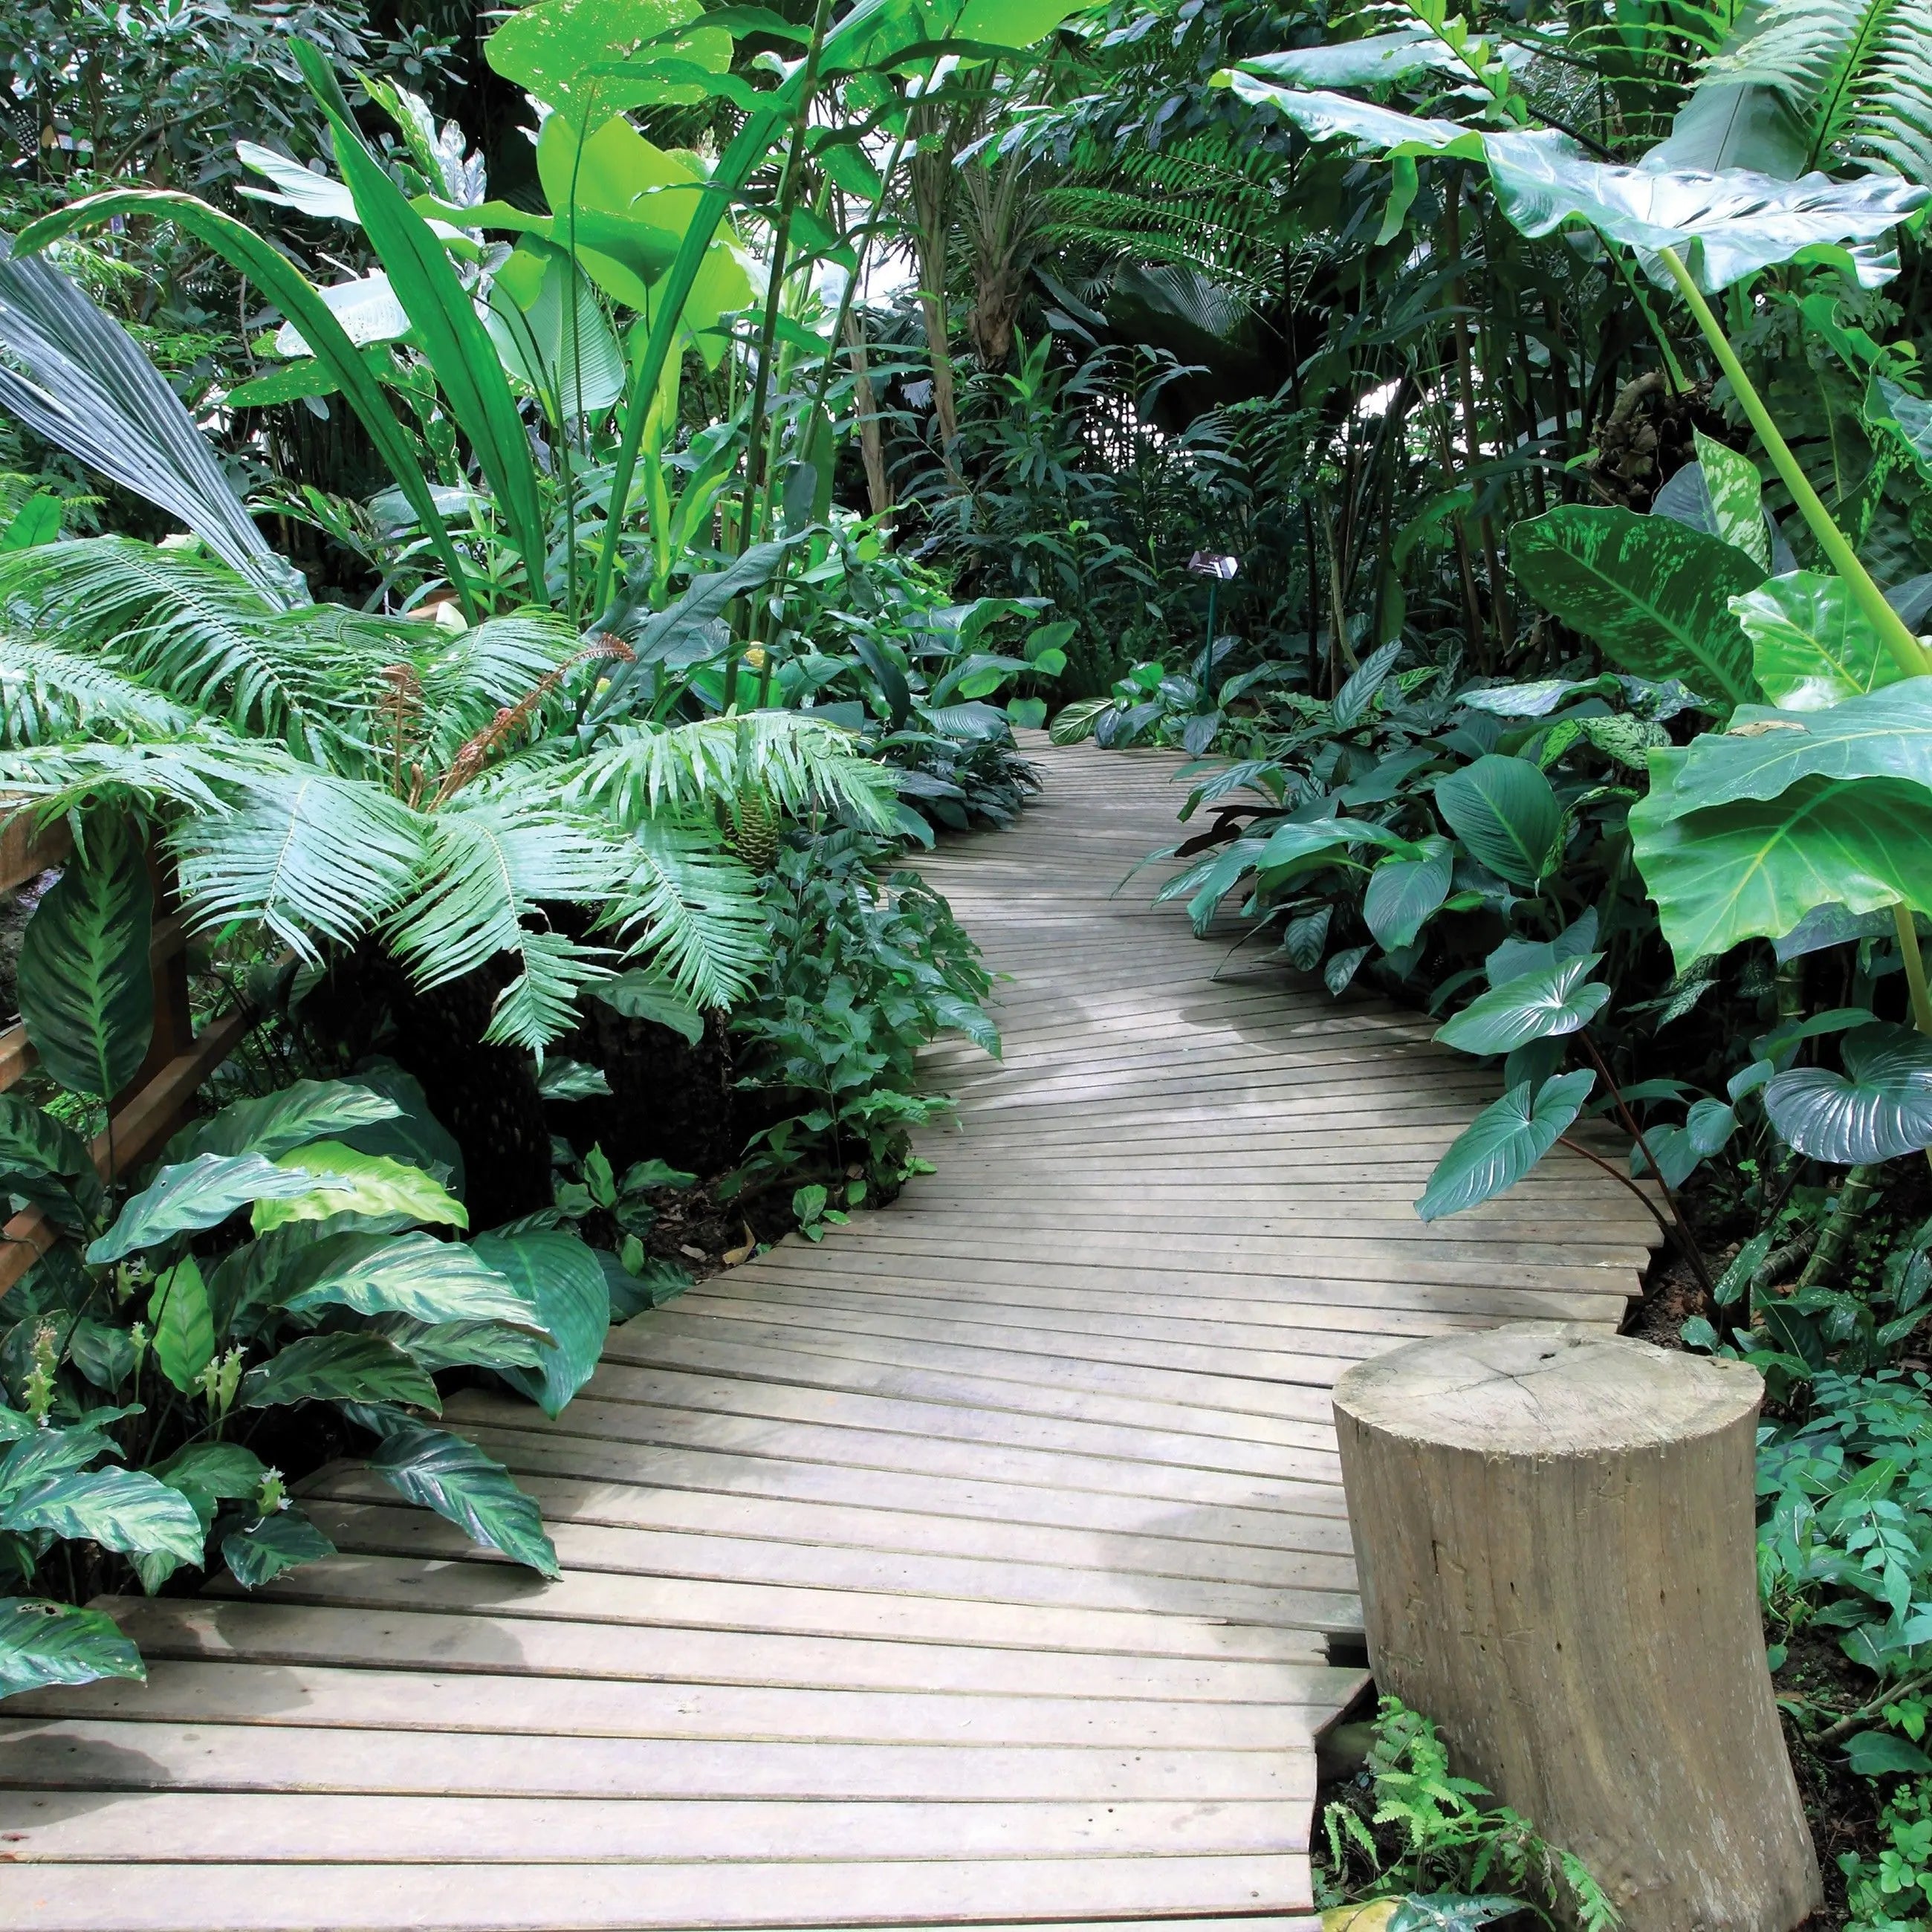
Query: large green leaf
291,1117
351,1366
562,1277
1403,894
1737,498
415,1275
343,1181
283,284
1880,1107
263,1549
179,1321
45,1159
445,323
86,993
415,1134
1811,645
453,1478
1505,811
552,334
1503,1143
562,51
1555,999
193,1195
1654,594
43,1643
451,1344
119,1509
224,1471
1754,868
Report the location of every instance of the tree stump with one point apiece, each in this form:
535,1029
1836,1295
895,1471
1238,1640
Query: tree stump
1555,1533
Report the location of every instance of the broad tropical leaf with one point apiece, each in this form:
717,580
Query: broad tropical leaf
224,1471
310,1110
1404,894
1737,498
453,1478
1654,593
415,1275
119,1509
1504,810
1880,1107
327,1178
43,1643
345,1366
561,1278
193,1195
451,1344
1811,646
260,1551
86,990
1541,1005
1503,1143
181,1324
45,1159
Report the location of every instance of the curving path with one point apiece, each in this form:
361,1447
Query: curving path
983,1564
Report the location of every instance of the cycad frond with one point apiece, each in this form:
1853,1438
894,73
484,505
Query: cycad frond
696,911
203,635
48,691
466,679
307,854
493,859
1859,71
800,763
205,771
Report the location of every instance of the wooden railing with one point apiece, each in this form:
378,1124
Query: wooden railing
147,1110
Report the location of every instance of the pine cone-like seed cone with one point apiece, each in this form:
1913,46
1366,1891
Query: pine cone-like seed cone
755,837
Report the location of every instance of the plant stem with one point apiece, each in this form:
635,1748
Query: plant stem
1617,1174
1907,652
1915,974
1692,1253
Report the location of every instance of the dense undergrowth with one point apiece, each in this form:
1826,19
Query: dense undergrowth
527,525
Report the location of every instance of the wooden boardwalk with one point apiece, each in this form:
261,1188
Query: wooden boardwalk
979,1566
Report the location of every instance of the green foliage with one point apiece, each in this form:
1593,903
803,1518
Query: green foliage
1410,1827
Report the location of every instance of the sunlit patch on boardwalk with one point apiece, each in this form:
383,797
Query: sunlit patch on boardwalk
976,1566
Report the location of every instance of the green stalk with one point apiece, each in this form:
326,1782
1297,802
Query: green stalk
1907,652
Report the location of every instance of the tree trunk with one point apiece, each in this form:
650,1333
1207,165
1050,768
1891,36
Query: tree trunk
1555,1532
871,443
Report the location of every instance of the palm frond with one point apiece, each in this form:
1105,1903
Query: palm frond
799,763
199,633
49,692
696,912
493,859
308,854
204,772
75,376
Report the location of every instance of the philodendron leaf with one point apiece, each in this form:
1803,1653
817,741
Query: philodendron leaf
1880,1107
415,1275
278,1122
119,1509
1505,811
1811,646
43,1643
1503,1143
193,1195
1654,593
340,1180
263,1549
453,1478
347,1367
562,1278
1543,1005
86,993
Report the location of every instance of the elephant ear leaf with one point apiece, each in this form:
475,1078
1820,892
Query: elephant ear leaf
1503,1143
1654,593
1811,646
1880,1107
87,997
43,1643
1558,999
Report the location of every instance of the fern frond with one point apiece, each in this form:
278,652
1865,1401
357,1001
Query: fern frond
48,692
204,772
309,855
202,635
800,763
695,911
1891,113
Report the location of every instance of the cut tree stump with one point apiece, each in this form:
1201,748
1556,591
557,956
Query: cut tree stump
1554,1529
